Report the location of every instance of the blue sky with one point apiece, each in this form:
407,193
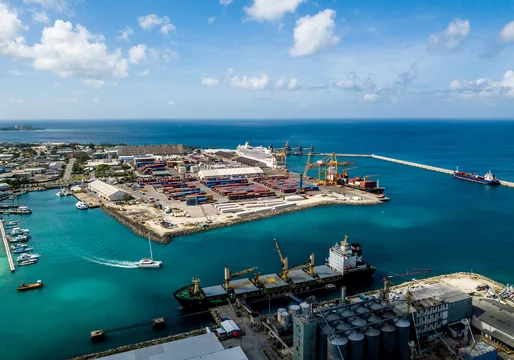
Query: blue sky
81,59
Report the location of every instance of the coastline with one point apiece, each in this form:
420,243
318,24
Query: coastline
166,236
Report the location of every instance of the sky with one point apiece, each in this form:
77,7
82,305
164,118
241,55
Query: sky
248,59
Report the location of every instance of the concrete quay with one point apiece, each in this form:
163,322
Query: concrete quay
7,250
87,199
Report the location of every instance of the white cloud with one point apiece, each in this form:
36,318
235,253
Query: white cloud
137,54
41,17
370,97
210,82
10,26
484,87
15,73
144,72
271,10
96,100
452,37
211,19
226,2
279,84
57,5
150,21
126,33
166,55
94,83
507,33
293,84
313,33
249,82
171,103
71,51
355,82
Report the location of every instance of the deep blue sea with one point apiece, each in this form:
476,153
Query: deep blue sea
433,221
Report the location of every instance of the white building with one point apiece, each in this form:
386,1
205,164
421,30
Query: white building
106,191
4,187
57,165
109,162
230,172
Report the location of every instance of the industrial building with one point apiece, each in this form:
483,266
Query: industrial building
204,347
230,172
171,149
494,319
435,306
106,191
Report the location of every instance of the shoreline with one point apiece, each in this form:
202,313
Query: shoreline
167,236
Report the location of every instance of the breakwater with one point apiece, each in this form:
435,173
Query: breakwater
6,245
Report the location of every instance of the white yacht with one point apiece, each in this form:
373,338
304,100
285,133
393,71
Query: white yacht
24,257
81,205
149,263
19,231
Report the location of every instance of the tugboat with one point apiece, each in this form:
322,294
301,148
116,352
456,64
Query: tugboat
344,264
487,179
81,205
25,287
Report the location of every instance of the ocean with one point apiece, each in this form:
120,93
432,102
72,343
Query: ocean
87,258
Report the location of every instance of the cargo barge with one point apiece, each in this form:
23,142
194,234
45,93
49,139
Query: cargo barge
371,186
344,264
487,179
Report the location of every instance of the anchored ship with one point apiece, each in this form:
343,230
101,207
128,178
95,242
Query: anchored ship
487,179
344,264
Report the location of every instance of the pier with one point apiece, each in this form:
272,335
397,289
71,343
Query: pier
87,199
6,244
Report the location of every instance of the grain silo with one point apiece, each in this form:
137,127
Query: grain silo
356,346
372,344
305,308
388,337
402,338
337,348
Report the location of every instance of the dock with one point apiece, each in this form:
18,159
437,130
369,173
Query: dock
7,250
87,199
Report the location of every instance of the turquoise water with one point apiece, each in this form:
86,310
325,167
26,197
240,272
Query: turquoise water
433,221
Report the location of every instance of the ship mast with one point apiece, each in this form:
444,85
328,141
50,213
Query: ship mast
196,288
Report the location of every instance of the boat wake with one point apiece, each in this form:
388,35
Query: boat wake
111,262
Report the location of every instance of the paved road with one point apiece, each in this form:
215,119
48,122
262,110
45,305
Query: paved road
67,172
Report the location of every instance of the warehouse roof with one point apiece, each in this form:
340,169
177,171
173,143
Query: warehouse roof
104,188
435,294
169,149
248,161
205,347
230,172
496,315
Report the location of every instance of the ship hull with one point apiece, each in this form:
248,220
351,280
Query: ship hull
190,303
478,180
376,190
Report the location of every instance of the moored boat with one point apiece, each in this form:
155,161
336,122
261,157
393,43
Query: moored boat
25,287
22,250
81,205
24,257
27,262
19,239
19,231
487,179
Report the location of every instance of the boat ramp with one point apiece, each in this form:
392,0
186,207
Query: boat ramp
6,244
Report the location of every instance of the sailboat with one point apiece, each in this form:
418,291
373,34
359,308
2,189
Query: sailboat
149,262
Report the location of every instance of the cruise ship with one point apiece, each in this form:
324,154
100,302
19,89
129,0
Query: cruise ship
344,264
258,153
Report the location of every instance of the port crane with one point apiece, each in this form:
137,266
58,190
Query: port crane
229,276
328,169
387,283
285,267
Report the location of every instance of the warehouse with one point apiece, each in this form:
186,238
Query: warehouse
106,191
204,347
226,173
494,319
170,149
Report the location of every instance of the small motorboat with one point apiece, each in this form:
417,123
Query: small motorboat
24,257
19,231
19,239
24,287
18,246
27,262
81,205
22,250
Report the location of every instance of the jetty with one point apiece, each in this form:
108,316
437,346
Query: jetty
87,199
6,244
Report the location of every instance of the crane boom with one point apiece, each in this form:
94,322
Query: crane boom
242,272
283,260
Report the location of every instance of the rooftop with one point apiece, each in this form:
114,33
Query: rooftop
434,294
230,172
104,188
495,314
170,149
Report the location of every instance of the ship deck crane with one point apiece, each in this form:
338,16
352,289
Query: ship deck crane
229,276
283,260
285,263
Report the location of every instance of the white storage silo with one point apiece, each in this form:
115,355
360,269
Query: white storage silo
356,346
337,348
279,314
402,338
305,308
388,337
372,344
294,310
286,320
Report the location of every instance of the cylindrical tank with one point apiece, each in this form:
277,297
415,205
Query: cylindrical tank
337,348
388,314
356,346
286,319
331,317
358,322
361,310
372,344
388,341
279,314
294,310
376,306
373,319
347,313
305,308
343,294
402,338
342,326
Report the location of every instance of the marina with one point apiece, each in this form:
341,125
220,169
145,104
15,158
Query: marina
6,246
